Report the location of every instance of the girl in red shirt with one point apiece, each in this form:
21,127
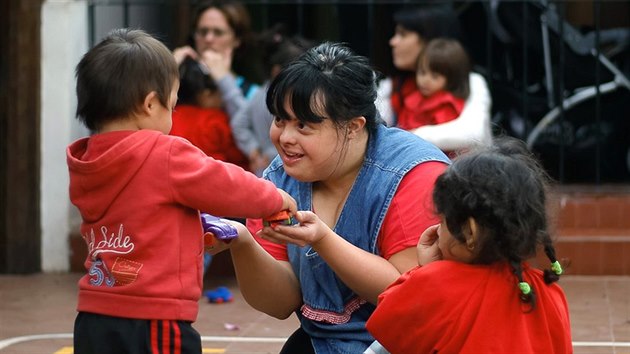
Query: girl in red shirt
473,291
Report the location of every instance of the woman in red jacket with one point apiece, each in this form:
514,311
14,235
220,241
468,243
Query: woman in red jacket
473,291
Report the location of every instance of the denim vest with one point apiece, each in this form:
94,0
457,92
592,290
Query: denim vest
332,314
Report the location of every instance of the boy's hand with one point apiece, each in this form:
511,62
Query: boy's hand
288,203
427,249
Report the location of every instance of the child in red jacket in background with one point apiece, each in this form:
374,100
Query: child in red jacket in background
139,192
199,116
473,291
442,74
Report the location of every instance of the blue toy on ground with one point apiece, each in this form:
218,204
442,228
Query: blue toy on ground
219,295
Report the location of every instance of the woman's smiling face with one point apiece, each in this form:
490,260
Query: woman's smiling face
310,151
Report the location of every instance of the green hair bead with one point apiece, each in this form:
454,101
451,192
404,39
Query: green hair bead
525,288
556,267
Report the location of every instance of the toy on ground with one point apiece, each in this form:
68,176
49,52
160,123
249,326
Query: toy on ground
280,218
219,295
215,228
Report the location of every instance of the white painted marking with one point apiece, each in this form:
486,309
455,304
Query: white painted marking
10,341
15,340
601,344
243,339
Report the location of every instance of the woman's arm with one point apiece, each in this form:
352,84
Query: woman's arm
268,285
470,128
365,273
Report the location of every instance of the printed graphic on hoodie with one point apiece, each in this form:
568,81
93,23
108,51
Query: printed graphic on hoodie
124,271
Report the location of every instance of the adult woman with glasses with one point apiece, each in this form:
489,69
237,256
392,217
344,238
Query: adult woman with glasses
218,33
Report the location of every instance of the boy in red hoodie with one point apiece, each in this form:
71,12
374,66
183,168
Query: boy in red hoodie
139,192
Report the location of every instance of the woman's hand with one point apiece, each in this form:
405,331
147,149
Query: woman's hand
218,246
428,250
310,230
182,53
219,64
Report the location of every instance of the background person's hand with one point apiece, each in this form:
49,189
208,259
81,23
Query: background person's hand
182,53
219,64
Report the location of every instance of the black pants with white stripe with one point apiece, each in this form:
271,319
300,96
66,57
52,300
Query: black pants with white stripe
99,334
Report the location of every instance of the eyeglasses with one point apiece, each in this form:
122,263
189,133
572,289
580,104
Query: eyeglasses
202,32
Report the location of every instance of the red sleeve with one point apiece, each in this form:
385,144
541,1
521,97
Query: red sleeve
216,187
411,210
277,251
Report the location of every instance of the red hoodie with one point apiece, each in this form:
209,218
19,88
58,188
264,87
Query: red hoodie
139,194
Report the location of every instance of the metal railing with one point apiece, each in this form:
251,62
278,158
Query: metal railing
563,90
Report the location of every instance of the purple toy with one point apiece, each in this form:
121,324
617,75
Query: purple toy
214,226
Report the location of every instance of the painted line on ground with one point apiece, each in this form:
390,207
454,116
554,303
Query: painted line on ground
601,344
243,339
15,340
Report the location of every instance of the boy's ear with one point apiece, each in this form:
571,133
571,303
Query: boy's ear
150,103
471,232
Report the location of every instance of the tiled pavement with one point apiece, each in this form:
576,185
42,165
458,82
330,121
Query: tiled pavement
37,314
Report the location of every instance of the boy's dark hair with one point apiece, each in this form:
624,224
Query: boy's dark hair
193,79
503,188
326,82
448,57
115,76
